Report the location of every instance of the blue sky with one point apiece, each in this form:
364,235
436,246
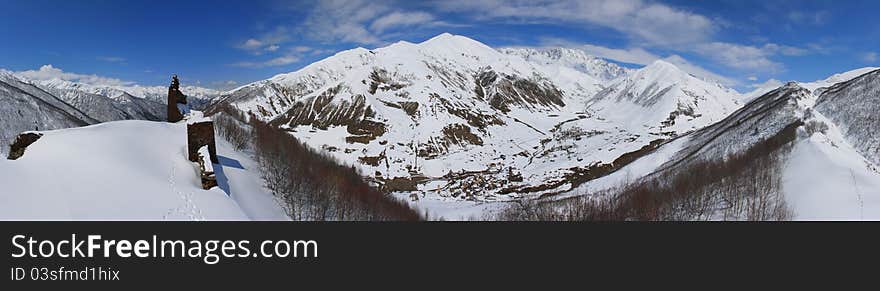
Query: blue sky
222,44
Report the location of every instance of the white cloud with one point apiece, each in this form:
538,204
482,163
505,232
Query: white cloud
111,59
258,47
633,55
698,71
400,19
870,57
267,42
332,21
362,21
752,78
642,21
251,44
785,50
338,20
282,60
740,56
292,56
647,24
804,17
771,83
223,85
302,49
49,72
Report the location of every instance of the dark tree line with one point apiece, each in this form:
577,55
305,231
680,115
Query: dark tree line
310,184
744,186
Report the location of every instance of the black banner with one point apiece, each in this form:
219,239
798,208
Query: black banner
375,254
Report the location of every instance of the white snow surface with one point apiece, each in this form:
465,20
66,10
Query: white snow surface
825,178
128,170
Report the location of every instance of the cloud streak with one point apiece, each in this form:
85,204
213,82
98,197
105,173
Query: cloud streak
111,59
645,24
870,57
49,72
641,21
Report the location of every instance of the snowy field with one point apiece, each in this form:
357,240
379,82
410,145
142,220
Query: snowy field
128,170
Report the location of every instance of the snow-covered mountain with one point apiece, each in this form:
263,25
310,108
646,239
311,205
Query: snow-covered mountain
815,87
451,118
579,60
836,78
120,107
26,107
664,98
830,171
55,104
157,94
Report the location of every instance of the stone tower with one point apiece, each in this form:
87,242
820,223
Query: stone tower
176,101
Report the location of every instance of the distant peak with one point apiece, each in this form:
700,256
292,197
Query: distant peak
447,41
444,35
5,72
663,64
792,85
402,42
661,67
448,37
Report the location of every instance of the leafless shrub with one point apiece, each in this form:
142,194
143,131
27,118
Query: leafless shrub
814,126
233,131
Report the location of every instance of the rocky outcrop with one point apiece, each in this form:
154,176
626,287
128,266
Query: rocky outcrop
175,99
22,141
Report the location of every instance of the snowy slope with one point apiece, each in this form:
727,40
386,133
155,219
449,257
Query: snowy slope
827,179
664,98
127,170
